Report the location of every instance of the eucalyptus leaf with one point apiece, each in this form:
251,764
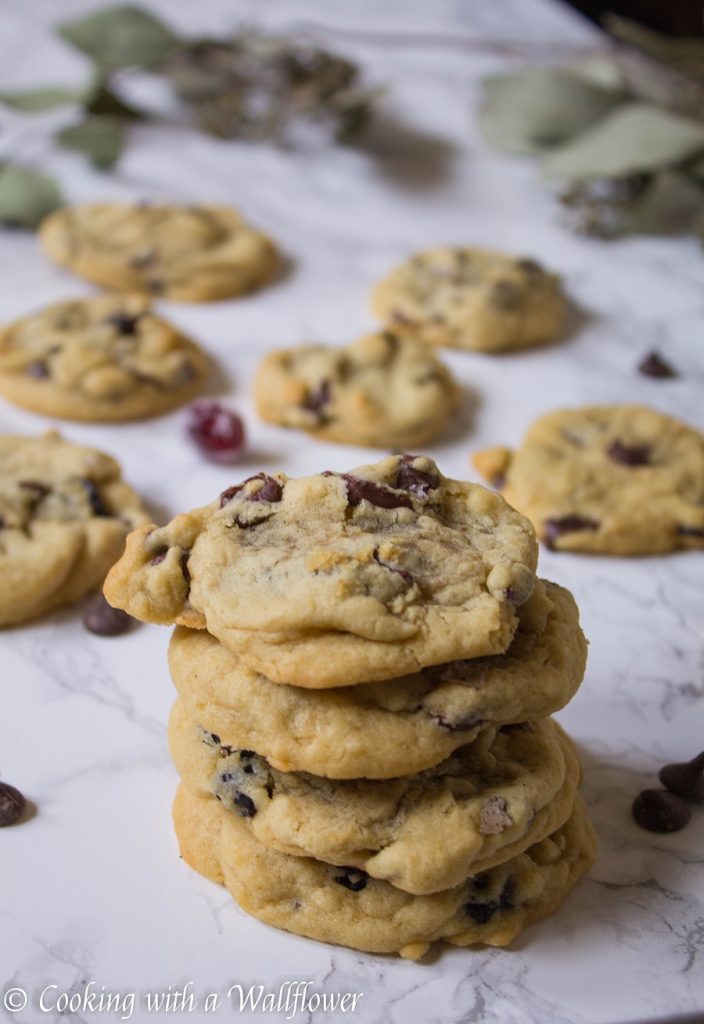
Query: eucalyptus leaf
100,138
105,103
26,196
123,36
540,107
35,101
670,205
632,139
683,52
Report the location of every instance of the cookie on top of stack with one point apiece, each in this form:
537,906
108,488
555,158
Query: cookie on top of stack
366,665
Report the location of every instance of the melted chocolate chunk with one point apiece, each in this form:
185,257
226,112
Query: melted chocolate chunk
12,805
655,366
352,879
94,499
104,620
392,568
457,724
270,491
124,322
690,531
685,779
554,528
408,478
317,398
482,912
376,494
630,455
659,811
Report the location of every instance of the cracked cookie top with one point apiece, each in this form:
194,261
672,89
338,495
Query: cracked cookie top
188,253
106,358
402,566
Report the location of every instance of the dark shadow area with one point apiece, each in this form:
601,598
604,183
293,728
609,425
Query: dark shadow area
408,158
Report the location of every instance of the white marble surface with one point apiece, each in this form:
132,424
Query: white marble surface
92,888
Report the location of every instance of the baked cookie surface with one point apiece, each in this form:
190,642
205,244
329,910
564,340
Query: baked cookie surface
382,391
188,253
391,566
107,358
486,803
473,299
611,479
64,516
347,907
395,727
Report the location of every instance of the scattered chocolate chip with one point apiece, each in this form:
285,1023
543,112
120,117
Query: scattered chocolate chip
506,296
317,398
104,620
125,323
352,879
246,755
392,568
660,811
483,912
655,366
217,431
554,528
94,499
630,455
271,490
685,779
12,804
418,482
457,724
690,531
38,370
377,494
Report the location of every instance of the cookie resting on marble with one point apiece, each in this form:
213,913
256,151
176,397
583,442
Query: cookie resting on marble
472,298
390,728
195,253
383,391
346,907
107,358
354,577
64,516
486,803
611,479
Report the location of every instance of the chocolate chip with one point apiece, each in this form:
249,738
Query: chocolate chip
270,491
392,568
317,398
655,366
554,528
352,879
359,490
244,804
483,912
38,370
659,811
630,455
211,738
125,323
159,556
457,724
690,531
12,804
104,620
685,779
94,499
418,482
506,296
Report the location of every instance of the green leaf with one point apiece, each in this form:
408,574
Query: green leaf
100,138
670,205
26,196
123,36
635,138
538,108
34,101
101,100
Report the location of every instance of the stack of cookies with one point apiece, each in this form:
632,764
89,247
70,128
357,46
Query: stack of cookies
366,665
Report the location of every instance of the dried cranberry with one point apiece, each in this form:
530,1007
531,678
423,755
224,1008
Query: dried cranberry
104,620
408,478
655,366
554,528
630,454
12,805
218,431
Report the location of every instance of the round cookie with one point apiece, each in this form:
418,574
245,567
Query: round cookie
472,299
382,391
395,727
64,516
612,479
348,908
107,358
187,253
487,803
390,568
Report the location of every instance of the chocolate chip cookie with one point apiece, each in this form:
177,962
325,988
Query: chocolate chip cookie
374,573
64,516
473,299
345,906
101,359
488,802
382,391
187,253
614,479
396,727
